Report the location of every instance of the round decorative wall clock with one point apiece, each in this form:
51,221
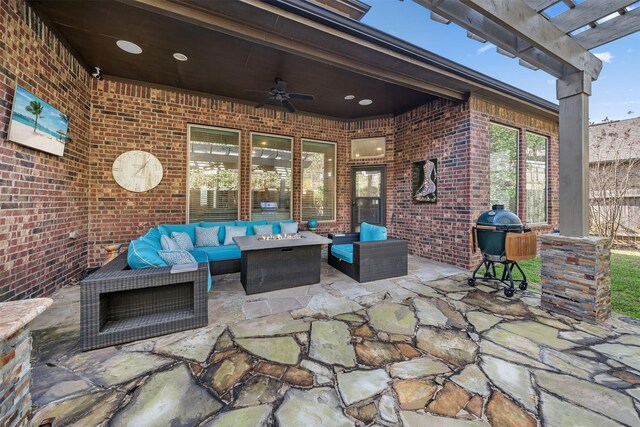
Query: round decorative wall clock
137,171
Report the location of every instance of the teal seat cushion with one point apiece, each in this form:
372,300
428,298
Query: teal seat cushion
142,254
343,252
153,238
222,225
369,233
276,225
250,224
219,253
190,229
201,256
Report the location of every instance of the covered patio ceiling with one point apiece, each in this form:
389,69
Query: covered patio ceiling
244,45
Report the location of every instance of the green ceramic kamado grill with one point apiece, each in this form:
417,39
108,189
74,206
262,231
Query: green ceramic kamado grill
502,239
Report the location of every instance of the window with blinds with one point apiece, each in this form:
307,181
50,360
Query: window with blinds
271,178
318,180
214,174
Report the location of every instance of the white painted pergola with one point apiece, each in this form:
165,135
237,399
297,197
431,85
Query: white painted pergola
560,46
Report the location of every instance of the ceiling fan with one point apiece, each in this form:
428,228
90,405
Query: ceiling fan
279,93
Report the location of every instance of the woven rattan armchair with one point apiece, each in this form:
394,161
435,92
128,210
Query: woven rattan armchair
118,304
373,260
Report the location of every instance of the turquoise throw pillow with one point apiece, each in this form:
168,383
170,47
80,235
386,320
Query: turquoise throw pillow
207,236
261,230
177,257
233,231
182,240
289,227
142,254
369,233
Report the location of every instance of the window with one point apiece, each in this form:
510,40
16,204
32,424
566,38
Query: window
270,177
504,166
318,180
214,174
536,178
367,148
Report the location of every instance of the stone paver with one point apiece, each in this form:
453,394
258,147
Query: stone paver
453,346
170,395
515,380
392,318
194,345
420,350
417,368
330,343
557,413
277,324
605,401
255,416
108,366
316,407
355,386
279,349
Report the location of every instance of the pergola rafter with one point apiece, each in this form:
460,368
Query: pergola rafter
524,29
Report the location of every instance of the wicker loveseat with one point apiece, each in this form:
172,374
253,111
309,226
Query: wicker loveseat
368,260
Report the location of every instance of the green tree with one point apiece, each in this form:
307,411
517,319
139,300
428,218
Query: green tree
35,108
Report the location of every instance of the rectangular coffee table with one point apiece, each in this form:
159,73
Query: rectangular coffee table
268,265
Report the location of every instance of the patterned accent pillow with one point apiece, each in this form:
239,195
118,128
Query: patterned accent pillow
168,244
289,227
177,257
261,230
207,236
183,240
231,231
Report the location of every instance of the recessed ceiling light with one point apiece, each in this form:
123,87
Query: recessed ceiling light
180,56
365,102
349,97
129,47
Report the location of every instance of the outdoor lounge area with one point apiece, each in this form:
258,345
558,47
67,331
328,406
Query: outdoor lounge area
418,350
271,213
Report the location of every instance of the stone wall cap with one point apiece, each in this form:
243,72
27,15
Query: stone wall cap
14,315
593,240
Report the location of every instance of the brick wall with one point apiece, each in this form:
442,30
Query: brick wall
42,196
128,115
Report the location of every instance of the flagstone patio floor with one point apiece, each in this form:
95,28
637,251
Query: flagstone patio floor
420,350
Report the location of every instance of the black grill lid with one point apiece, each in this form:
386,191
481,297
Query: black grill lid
500,217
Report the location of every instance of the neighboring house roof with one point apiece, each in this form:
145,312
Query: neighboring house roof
615,140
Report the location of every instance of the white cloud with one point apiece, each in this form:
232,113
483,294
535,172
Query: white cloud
604,56
485,48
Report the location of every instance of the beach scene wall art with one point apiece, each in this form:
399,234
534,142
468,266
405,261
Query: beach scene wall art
36,124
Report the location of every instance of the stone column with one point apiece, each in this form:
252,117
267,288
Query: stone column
15,359
576,276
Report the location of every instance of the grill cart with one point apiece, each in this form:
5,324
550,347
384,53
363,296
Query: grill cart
502,239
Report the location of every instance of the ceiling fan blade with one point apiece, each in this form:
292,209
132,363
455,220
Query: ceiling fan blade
263,103
288,105
301,96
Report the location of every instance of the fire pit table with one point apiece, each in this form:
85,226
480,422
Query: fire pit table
268,265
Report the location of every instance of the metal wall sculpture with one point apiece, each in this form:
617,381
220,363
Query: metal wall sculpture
425,181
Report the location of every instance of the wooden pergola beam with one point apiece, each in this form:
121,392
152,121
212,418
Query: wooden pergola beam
540,5
525,23
485,28
610,30
587,13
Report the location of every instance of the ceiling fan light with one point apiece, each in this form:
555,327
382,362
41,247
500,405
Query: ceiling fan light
365,102
180,56
349,97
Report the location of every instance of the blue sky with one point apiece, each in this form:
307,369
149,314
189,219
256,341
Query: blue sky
50,117
615,93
